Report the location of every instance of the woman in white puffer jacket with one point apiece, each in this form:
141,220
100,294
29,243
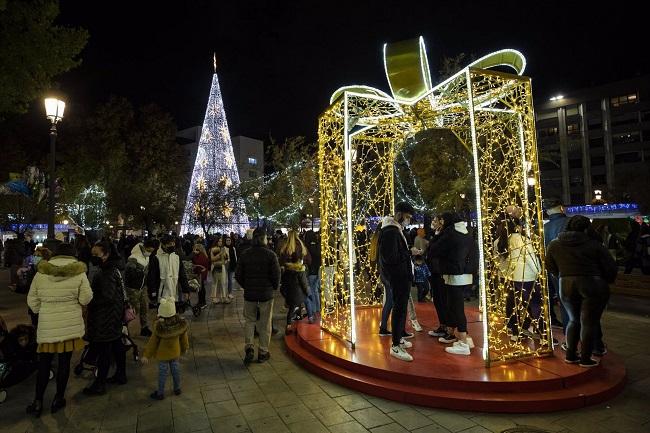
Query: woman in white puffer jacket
57,294
520,266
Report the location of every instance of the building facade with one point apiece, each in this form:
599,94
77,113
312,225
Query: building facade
594,139
249,153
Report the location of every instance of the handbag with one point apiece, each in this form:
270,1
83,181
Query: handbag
128,313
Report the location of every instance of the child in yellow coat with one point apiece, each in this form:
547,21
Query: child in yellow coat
167,343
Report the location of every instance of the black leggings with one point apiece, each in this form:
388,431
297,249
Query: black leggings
105,352
585,299
456,307
62,373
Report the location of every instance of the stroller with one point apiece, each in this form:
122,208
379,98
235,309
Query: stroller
18,359
88,360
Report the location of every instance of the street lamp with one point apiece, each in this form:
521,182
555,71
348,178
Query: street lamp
311,200
54,111
257,207
65,222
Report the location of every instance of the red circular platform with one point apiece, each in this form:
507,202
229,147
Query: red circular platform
438,379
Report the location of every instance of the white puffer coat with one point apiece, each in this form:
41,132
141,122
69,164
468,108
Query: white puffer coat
58,291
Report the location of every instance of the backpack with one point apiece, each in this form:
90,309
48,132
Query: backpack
134,275
373,250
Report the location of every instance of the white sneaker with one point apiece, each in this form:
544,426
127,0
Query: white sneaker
469,342
458,349
405,344
399,353
416,325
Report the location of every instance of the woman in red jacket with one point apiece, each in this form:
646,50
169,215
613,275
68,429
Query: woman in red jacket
201,263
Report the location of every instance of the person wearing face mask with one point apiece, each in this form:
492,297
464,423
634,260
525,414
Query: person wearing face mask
438,290
166,272
396,267
105,313
135,273
457,253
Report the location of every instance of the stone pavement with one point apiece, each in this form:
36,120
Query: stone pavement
221,395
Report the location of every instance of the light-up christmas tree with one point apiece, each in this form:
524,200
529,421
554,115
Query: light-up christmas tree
212,200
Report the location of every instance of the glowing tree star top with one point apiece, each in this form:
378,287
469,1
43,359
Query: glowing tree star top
212,203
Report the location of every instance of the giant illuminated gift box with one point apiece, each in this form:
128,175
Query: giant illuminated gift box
360,135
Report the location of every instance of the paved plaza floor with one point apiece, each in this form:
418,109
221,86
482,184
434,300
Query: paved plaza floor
221,395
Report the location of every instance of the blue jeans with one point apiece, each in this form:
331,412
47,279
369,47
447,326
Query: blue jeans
312,300
163,371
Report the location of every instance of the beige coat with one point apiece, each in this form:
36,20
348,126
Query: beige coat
57,293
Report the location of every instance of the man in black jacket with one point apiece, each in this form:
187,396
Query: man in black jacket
396,267
258,272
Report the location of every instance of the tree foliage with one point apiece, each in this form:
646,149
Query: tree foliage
33,51
214,205
131,154
294,180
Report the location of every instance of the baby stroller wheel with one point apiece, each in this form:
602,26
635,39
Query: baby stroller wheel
136,354
196,310
78,369
3,395
51,376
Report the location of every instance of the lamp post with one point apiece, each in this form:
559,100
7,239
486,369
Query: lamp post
257,207
144,219
311,200
54,111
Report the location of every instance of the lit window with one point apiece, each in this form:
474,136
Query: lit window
573,129
252,161
618,101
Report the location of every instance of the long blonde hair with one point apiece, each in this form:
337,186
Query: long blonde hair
199,246
293,244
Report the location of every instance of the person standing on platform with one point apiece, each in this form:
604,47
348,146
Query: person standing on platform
585,269
456,251
438,290
556,224
396,267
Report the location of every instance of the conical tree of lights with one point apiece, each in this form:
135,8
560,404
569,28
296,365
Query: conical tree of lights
212,203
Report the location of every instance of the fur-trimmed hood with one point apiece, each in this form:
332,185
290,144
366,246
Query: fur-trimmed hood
294,267
62,267
137,255
170,328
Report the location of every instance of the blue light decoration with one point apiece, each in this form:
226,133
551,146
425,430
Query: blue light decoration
215,162
603,208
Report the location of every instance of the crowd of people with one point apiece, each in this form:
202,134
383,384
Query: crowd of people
82,295
444,266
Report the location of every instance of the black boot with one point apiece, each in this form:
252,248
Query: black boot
35,408
57,403
250,355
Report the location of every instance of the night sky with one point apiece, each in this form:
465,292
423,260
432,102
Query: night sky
279,63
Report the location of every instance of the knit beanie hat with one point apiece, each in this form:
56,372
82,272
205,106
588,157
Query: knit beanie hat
167,307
